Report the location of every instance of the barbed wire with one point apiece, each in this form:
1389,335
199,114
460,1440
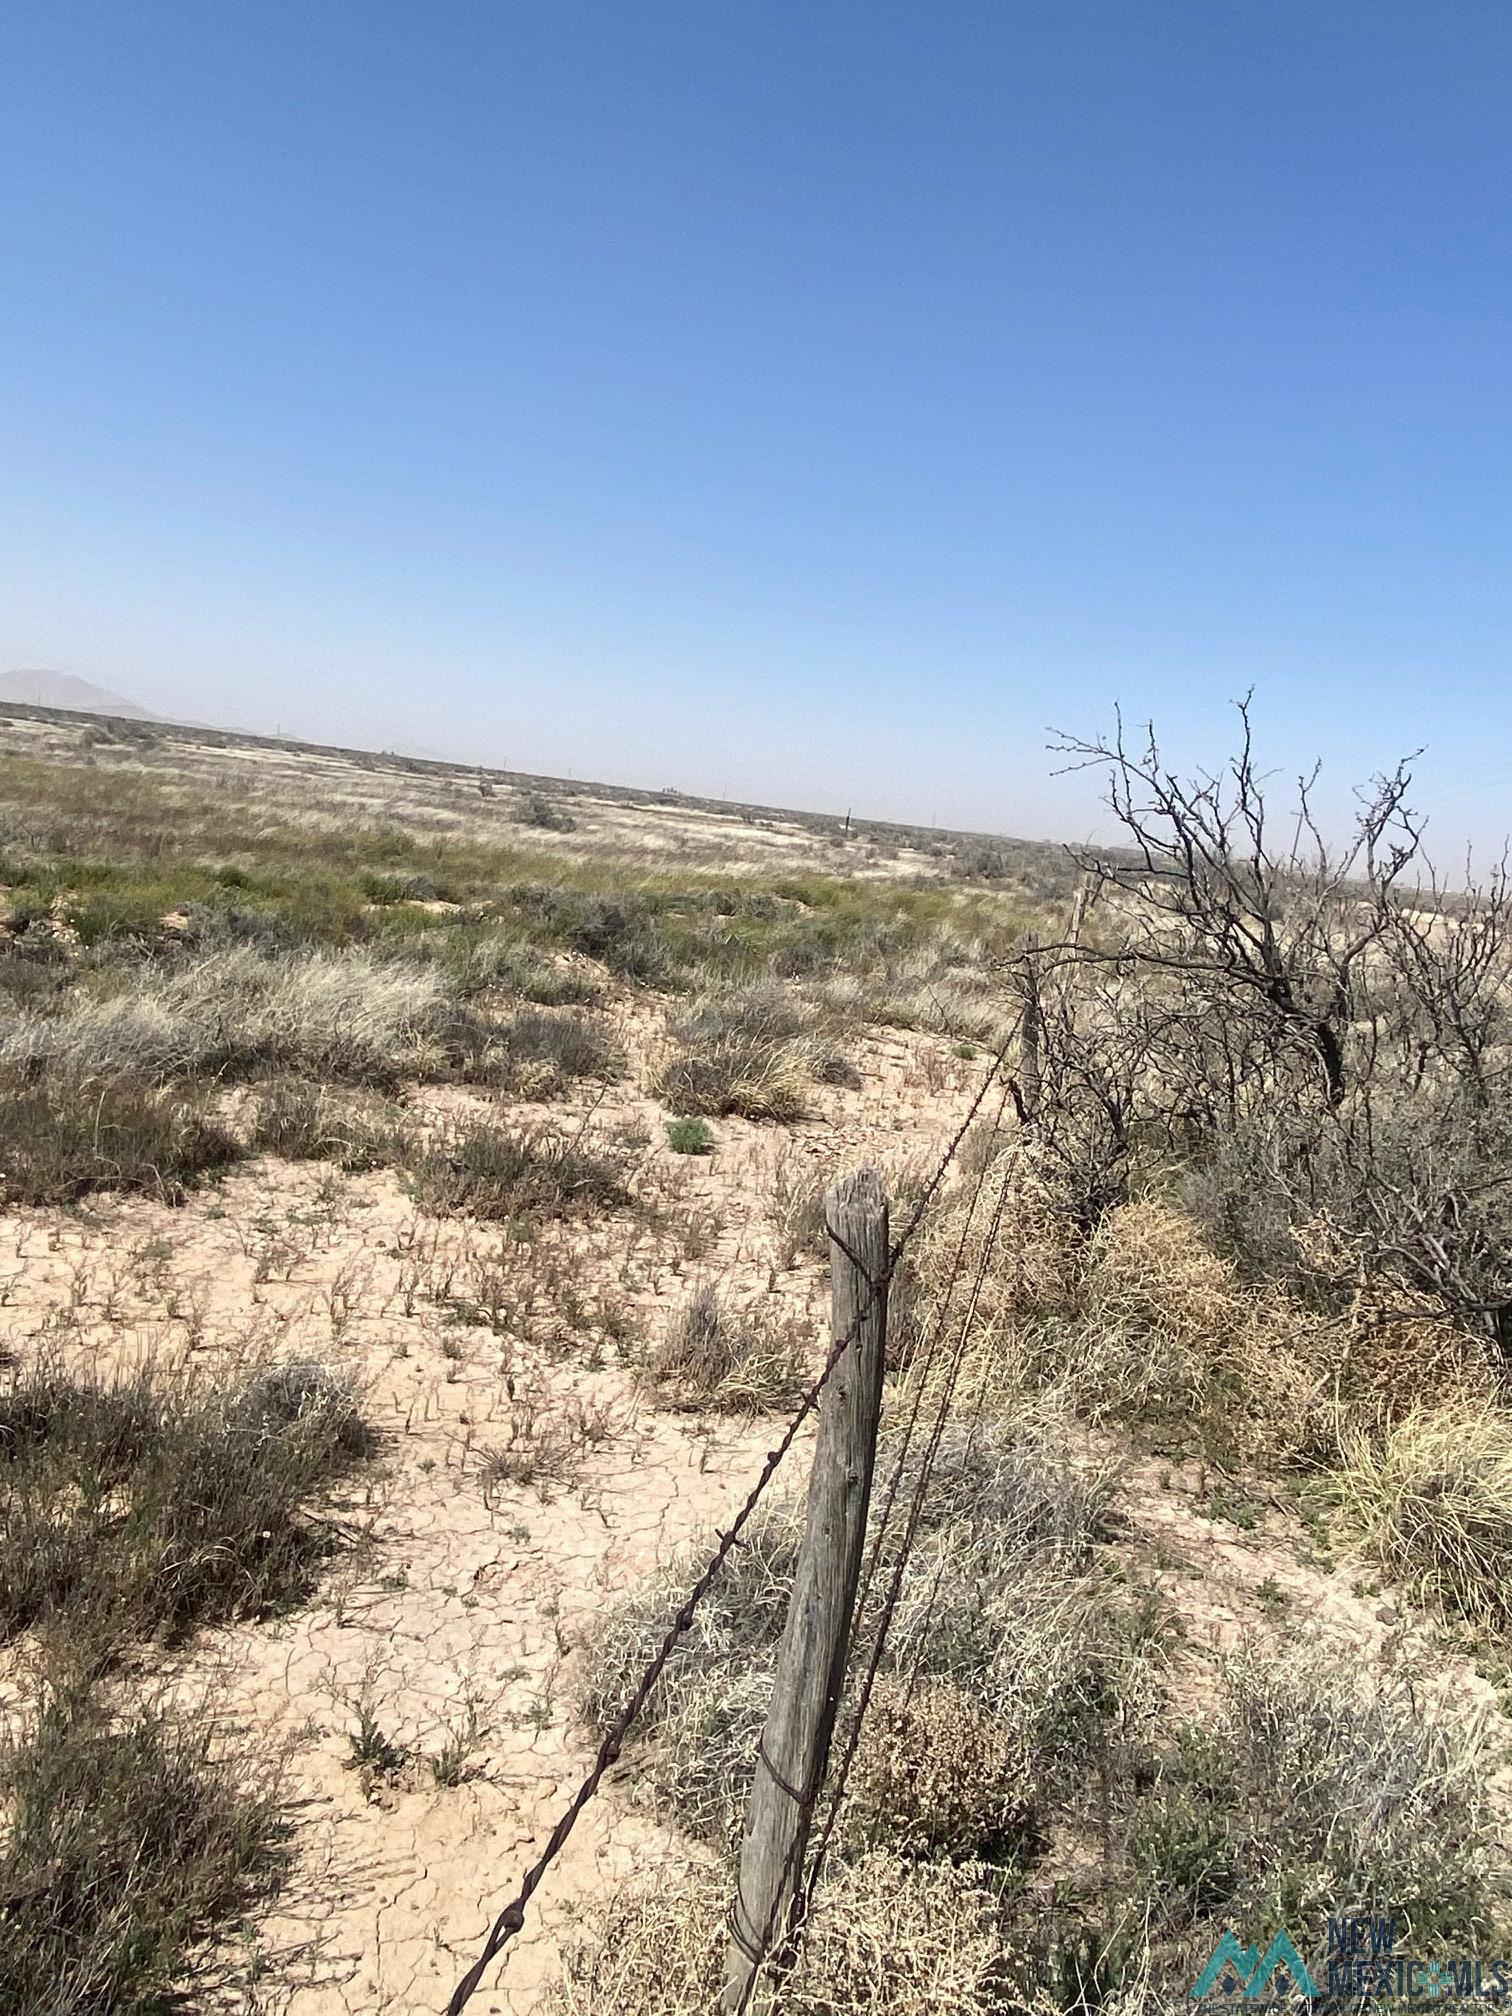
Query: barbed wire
759,1951
510,1921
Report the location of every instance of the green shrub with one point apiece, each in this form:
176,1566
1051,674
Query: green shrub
690,1136
538,810
1320,1784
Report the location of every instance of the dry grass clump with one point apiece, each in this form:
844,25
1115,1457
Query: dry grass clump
996,1600
887,1936
795,1207
124,1840
945,987
1431,1494
934,1775
728,1359
1018,1239
751,1052
61,1139
1320,1783
1133,1319
739,1620
316,1123
541,1051
1171,1338
482,1170
327,1015
146,1504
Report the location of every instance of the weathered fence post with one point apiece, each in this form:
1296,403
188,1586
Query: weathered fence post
1031,1027
1078,913
794,1749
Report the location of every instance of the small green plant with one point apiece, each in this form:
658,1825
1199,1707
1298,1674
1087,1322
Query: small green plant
690,1136
1271,1596
451,1765
373,1751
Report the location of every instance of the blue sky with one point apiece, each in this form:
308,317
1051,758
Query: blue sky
811,402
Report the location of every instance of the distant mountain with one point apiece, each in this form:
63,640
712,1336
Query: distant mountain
62,689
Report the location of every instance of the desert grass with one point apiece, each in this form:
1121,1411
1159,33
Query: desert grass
541,1051
148,1503
888,1936
480,1169
1139,1320
127,1835
1431,1497
329,1016
795,1209
996,1602
752,1052
60,1140
1316,1782
305,1122
1311,1784
728,1359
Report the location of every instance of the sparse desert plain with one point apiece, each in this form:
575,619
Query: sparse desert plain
412,1245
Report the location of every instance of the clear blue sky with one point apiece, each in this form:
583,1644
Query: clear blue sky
811,401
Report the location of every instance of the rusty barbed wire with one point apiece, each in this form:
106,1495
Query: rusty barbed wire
511,1919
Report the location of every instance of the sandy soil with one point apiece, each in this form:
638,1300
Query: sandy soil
460,1594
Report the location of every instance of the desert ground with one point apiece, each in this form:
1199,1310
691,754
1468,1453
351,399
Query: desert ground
412,1245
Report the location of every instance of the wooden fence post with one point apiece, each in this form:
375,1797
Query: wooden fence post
1078,913
1032,1028
794,1748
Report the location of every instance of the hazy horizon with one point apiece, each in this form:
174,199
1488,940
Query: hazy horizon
807,409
